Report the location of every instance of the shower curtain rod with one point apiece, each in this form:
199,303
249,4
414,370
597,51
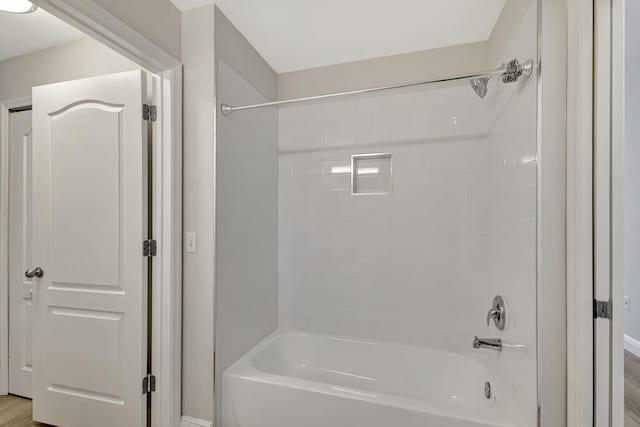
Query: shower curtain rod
509,72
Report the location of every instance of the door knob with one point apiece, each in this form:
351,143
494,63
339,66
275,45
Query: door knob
34,272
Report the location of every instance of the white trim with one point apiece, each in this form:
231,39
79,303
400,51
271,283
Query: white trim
608,154
632,345
4,250
194,422
5,106
602,208
551,213
580,213
16,103
617,211
89,17
167,230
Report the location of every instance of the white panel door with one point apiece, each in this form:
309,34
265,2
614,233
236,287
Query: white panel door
89,222
20,254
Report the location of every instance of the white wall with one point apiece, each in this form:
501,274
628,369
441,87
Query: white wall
236,51
376,72
76,60
246,251
198,212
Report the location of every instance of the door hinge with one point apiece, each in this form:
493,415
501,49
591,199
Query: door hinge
149,248
601,309
149,384
149,112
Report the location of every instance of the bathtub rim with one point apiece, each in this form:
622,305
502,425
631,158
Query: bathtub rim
499,412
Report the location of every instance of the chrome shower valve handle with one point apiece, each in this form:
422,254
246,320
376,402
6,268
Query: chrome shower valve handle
498,313
493,314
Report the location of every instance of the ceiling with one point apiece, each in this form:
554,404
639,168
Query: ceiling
22,34
300,34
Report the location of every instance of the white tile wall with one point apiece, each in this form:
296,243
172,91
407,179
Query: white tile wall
399,266
409,116
246,222
513,241
420,265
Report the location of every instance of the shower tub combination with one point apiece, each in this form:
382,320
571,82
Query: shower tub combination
295,379
298,379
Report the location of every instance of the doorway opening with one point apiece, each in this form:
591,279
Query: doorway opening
82,132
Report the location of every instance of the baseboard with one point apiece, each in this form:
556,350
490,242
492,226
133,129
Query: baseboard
194,422
632,345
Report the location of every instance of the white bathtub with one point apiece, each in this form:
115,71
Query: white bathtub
295,379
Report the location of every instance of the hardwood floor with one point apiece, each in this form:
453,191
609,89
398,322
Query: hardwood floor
16,412
631,390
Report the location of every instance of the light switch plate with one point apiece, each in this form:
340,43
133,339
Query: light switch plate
627,303
190,242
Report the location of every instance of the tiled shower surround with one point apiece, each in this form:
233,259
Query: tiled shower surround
448,219
421,264
396,266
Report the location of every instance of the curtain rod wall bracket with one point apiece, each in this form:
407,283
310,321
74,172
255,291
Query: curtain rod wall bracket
226,109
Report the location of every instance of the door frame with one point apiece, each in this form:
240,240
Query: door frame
95,21
608,210
616,205
602,212
580,175
5,107
595,203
